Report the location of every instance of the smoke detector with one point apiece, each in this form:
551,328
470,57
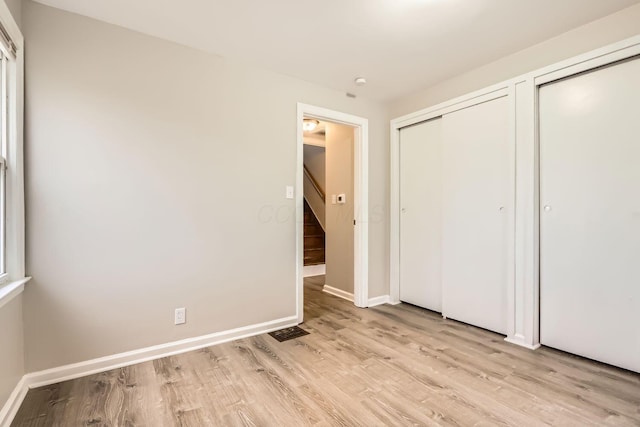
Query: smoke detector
360,81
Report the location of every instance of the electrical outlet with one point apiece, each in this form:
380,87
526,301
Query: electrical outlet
180,316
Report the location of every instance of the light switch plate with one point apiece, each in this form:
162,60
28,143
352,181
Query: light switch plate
180,316
289,192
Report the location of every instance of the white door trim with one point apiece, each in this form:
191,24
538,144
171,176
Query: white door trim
361,198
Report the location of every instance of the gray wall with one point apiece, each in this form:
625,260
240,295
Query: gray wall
153,172
11,350
15,7
339,228
610,29
315,161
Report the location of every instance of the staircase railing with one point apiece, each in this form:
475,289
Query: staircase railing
315,196
315,183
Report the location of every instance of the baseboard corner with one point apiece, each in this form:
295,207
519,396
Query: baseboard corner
520,341
381,300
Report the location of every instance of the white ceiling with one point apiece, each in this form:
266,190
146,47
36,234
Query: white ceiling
398,45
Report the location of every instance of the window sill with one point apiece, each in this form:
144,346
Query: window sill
12,290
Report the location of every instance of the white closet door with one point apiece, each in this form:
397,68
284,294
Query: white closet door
590,215
475,214
420,214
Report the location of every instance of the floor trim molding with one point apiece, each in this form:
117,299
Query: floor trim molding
314,270
10,408
338,292
81,369
520,341
382,299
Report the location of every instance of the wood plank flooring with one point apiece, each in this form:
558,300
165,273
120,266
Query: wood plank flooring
389,365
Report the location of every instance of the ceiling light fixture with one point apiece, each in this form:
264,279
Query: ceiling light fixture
309,124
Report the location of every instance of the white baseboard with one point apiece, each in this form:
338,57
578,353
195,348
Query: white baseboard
94,366
383,299
338,292
10,408
314,270
519,340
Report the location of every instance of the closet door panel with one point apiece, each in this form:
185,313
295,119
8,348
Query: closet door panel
590,214
475,196
420,214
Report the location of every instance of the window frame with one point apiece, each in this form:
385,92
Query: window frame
12,219
5,120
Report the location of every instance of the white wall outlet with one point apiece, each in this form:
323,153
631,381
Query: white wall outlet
289,192
342,199
181,316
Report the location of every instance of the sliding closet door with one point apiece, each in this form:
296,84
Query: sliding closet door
475,214
420,214
590,215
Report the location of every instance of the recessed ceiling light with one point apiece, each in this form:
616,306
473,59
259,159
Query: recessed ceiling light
360,81
309,124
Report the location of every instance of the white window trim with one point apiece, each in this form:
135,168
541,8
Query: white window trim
12,283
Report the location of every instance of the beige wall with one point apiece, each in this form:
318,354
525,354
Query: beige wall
151,185
339,217
11,347
610,29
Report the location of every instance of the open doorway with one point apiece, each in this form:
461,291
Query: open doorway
315,196
332,170
328,231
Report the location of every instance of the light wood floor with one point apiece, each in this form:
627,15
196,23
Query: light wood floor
390,365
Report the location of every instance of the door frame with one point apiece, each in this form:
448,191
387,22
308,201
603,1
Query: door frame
361,201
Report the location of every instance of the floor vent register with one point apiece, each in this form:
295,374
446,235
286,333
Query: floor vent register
288,333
